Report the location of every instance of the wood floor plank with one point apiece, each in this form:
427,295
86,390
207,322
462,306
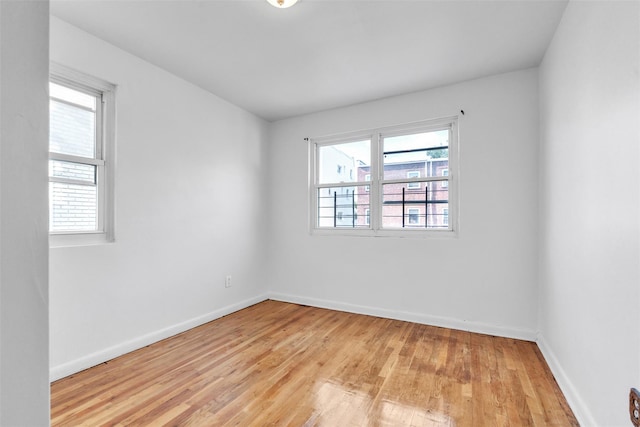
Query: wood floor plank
279,364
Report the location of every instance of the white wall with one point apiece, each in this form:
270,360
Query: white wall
24,123
484,280
589,193
189,204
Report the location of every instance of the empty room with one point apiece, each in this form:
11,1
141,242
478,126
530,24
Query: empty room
319,212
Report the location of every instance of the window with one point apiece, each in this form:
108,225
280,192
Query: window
413,185
414,215
401,181
81,132
445,172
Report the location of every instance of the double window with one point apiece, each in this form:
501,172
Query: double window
390,180
81,131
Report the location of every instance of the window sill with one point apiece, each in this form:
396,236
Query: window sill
79,239
419,234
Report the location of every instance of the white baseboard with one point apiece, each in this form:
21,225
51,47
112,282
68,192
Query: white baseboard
445,322
579,408
102,356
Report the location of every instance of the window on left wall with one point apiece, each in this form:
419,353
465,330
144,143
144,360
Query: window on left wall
81,148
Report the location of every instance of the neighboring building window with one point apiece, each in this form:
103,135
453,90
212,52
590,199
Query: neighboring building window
81,133
445,172
413,216
402,179
413,185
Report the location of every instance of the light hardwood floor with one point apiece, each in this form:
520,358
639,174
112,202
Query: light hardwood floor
279,364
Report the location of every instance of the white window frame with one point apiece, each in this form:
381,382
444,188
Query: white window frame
104,159
376,136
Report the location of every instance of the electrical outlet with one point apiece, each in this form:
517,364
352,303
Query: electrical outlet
227,281
634,406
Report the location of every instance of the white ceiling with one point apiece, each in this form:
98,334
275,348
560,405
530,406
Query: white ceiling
321,54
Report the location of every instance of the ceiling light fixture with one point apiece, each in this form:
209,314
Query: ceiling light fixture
281,4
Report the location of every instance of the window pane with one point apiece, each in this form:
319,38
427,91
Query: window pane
428,208
424,154
73,96
343,207
70,170
344,162
73,207
72,130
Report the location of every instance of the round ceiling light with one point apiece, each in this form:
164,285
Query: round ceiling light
281,4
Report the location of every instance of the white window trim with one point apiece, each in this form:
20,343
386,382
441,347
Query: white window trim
377,180
105,156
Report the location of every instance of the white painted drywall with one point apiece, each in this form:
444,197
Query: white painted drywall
483,280
190,204
24,124
589,215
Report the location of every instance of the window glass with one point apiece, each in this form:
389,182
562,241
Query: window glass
343,162
419,152
73,171
74,208
72,127
423,209
73,96
342,207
